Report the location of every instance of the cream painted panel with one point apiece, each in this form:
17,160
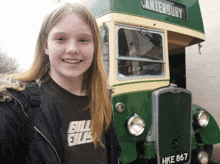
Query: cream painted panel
112,71
138,87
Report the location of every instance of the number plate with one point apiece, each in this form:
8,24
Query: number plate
175,158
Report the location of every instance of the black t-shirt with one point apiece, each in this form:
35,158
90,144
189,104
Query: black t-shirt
75,126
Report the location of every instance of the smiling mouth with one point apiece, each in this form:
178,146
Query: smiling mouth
71,61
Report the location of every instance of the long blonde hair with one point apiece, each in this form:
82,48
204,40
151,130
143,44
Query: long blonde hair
95,77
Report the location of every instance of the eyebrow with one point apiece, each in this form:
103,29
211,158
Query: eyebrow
59,33
64,33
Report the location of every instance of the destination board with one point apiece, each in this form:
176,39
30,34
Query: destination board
166,7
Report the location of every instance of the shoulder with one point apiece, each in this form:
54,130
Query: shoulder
14,94
14,110
13,102
16,97
8,85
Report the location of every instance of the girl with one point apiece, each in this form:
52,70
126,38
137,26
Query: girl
66,117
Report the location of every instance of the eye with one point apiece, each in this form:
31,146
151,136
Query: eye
60,39
83,40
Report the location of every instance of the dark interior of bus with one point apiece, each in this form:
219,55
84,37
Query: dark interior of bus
177,64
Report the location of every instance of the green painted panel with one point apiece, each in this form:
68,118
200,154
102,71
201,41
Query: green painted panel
135,102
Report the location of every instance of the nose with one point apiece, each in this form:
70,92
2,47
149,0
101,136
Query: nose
72,48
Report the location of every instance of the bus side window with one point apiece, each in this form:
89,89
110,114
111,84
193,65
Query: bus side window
105,48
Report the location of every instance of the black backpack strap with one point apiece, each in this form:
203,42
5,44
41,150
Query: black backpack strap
34,94
33,90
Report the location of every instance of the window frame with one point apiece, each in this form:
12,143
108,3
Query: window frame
117,57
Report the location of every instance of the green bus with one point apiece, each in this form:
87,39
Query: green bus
143,51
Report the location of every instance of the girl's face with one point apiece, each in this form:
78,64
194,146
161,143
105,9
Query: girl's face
70,48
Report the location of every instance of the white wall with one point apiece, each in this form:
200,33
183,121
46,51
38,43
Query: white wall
203,70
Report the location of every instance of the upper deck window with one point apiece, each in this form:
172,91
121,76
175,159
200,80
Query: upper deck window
140,53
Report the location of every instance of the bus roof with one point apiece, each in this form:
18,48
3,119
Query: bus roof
185,13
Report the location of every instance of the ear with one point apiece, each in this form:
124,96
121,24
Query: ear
46,48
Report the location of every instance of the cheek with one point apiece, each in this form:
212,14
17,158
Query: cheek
91,56
89,59
55,49
88,52
92,50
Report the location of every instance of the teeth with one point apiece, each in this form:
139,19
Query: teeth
71,61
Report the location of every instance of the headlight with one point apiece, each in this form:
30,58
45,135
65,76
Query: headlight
136,125
203,157
202,118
